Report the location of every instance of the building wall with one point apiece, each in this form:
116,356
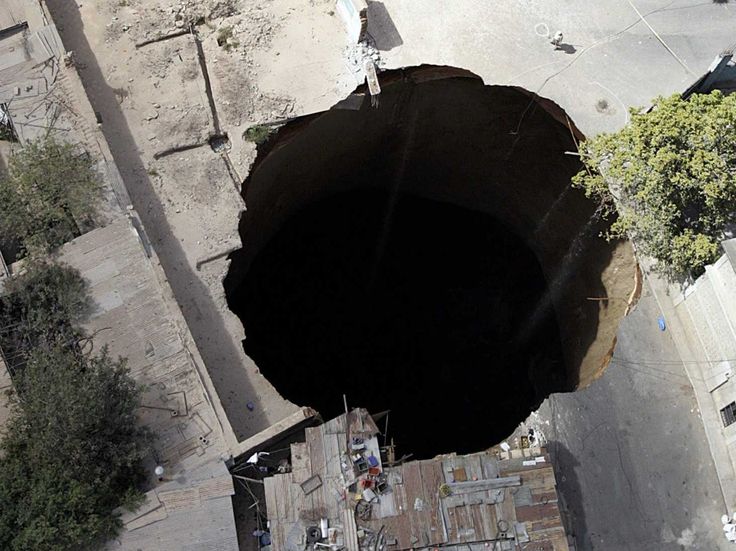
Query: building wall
353,14
707,311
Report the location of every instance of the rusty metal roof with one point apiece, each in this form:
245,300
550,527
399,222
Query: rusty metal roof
449,501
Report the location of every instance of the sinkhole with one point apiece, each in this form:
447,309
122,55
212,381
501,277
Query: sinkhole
428,256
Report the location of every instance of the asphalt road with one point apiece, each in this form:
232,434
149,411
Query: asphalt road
616,55
633,465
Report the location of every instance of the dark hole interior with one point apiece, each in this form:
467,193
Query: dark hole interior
429,256
403,304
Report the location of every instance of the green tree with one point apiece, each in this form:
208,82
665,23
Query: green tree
71,452
41,308
50,189
671,176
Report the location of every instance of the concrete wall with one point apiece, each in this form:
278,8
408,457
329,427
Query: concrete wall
707,311
353,14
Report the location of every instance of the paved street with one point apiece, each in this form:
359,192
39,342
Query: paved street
633,463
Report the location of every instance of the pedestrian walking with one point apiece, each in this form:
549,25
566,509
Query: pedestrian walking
557,40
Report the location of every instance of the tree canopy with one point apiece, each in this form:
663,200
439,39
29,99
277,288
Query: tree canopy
670,175
71,453
41,308
50,189
72,449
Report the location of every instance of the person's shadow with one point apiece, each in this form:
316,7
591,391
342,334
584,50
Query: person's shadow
381,28
567,48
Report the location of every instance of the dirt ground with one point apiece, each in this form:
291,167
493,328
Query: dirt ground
151,93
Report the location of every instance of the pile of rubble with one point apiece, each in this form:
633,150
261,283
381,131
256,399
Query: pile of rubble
357,54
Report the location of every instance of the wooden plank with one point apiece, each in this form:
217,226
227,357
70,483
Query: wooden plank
290,501
489,465
459,474
452,526
505,510
414,491
427,531
351,530
300,462
476,513
332,451
490,522
279,509
402,503
216,487
538,513
370,76
541,496
493,484
269,486
432,479
463,523
473,467
316,449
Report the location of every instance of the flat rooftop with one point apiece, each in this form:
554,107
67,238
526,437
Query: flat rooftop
31,61
135,317
507,499
41,96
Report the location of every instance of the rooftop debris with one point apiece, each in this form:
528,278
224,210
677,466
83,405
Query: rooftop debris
345,491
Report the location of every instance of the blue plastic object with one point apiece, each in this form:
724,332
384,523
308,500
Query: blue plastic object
662,324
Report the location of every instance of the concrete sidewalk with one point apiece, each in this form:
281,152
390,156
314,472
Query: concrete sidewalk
701,324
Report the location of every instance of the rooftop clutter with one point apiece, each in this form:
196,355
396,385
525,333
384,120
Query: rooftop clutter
345,491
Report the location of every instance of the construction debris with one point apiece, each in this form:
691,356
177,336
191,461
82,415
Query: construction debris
358,54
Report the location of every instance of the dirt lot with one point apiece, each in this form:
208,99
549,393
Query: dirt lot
158,111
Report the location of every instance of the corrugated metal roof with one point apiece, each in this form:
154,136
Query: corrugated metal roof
448,501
